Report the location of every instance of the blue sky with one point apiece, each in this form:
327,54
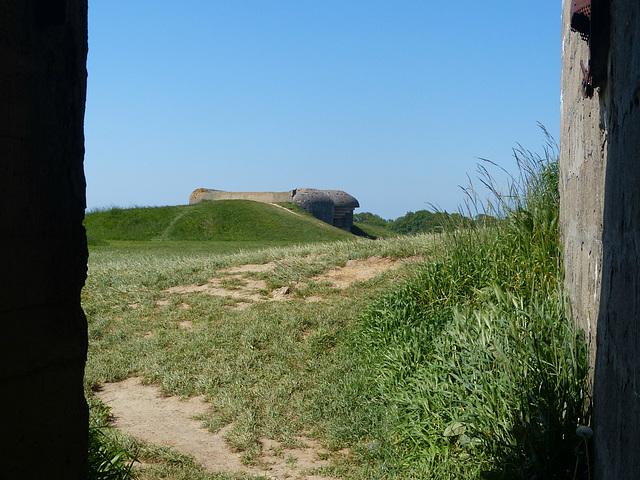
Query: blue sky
391,101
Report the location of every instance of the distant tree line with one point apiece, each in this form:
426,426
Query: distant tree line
422,221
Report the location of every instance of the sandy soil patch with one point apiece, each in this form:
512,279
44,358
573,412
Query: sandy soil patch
185,325
248,290
359,270
144,413
314,299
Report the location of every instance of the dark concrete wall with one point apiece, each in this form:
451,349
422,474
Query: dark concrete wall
316,202
617,368
600,163
43,253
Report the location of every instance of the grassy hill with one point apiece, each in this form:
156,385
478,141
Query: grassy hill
223,221
364,229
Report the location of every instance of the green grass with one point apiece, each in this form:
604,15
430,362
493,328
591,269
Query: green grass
464,365
262,368
229,221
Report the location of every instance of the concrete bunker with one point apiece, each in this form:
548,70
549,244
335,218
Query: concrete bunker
334,207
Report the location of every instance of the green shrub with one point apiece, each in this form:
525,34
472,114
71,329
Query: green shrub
371,219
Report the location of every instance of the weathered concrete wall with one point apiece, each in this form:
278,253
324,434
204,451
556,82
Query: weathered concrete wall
582,171
265,197
344,205
43,253
600,162
316,202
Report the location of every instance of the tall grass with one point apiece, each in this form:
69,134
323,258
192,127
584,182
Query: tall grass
476,358
108,459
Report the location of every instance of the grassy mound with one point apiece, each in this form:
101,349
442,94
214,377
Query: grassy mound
225,220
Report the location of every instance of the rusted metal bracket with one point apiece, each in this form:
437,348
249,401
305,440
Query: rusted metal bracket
590,18
587,81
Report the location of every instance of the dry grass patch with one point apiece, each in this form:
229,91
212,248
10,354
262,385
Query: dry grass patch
259,268
238,282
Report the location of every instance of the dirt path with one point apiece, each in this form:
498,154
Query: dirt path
144,413
286,209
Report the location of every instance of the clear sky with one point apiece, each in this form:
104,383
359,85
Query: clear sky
391,101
